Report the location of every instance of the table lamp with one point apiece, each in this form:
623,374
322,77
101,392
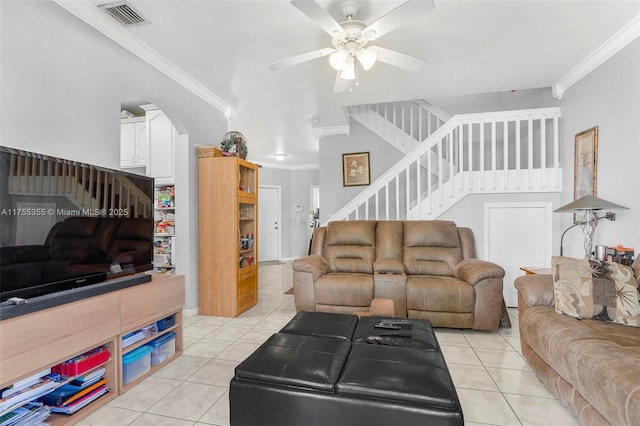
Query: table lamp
589,205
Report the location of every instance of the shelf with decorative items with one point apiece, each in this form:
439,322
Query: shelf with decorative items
228,230
164,230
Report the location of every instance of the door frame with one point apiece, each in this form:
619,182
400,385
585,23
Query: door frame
278,189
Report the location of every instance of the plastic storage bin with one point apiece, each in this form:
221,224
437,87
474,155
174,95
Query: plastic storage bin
163,348
167,322
136,363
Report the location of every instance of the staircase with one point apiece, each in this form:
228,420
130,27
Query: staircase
496,152
92,190
403,125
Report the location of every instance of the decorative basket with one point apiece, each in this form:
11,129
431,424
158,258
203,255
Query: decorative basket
208,151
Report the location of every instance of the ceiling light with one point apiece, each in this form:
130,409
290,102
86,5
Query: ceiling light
367,58
349,70
280,156
337,59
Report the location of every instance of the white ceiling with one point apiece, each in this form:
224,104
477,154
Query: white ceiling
469,47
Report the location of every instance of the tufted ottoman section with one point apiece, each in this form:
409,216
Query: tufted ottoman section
339,326
289,359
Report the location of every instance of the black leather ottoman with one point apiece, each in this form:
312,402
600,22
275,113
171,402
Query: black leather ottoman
296,380
323,324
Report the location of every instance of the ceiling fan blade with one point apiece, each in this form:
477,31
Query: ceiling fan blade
341,85
295,60
398,16
318,15
397,59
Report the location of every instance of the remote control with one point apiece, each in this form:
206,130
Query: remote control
396,321
387,326
401,322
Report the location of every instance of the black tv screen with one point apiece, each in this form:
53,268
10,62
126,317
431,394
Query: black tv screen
66,224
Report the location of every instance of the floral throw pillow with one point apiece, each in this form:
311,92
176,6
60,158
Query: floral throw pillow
596,289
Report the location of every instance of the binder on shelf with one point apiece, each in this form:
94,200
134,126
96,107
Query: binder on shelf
82,401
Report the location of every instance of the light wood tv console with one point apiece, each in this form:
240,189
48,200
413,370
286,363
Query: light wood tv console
33,342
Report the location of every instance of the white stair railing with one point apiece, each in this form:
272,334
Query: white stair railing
497,152
404,124
87,188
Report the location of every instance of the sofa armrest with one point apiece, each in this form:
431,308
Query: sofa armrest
305,273
388,266
314,264
536,290
139,257
474,270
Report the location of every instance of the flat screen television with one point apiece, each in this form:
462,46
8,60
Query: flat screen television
65,224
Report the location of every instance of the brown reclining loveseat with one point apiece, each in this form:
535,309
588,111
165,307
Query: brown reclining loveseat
428,268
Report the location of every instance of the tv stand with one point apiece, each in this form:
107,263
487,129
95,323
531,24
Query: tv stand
35,341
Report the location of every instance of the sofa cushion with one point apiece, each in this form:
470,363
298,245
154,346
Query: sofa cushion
590,288
350,246
344,289
436,294
431,247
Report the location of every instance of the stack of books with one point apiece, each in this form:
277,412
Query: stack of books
69,398
30,389
32,413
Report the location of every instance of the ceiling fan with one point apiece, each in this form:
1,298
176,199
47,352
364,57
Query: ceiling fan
350,38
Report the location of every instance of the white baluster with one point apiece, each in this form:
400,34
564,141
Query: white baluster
518,154
494,153
556,149
543,152
482,166
530,150
505,149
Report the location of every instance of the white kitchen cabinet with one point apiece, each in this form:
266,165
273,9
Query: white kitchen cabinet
162,137
134,145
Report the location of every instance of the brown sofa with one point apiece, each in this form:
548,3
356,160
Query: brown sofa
593,366
428,268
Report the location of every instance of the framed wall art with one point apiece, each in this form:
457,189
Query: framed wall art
585,164
355,169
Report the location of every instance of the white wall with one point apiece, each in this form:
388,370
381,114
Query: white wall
295,190
333,195
62,85
608,97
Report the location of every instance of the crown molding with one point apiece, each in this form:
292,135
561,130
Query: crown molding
319,132
116,32
619,40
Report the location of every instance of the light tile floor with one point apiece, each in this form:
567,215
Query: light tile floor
494,382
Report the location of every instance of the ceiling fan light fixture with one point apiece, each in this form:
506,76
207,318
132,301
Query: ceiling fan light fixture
349,70
367,58
338,59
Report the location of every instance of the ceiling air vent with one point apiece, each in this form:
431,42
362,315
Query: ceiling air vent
124,13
